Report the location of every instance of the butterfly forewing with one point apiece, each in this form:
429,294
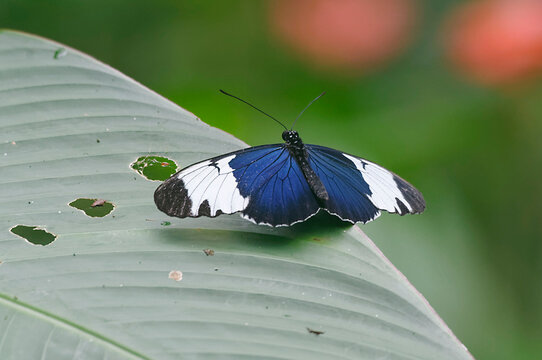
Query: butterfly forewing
359,189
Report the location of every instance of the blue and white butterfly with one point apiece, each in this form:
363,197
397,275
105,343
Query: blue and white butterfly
283,184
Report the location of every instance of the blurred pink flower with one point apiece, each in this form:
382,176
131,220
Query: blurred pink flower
497,41
344,34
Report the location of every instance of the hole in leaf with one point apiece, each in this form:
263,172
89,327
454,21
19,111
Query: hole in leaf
61,52
93,207
33,234
155,167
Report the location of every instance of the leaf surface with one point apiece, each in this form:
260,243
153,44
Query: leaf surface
70,127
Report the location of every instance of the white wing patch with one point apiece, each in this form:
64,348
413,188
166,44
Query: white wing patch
215,183
385,191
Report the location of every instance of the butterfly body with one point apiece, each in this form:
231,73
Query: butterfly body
297,149
282,184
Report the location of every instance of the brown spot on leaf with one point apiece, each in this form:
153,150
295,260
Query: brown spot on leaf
315,332
209,252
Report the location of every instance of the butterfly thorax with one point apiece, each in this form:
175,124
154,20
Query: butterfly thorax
294,143
296,147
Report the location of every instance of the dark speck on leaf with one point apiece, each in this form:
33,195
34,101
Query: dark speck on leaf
98,141
315,332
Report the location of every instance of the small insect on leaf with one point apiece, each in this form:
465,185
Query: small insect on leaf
93,207
99,202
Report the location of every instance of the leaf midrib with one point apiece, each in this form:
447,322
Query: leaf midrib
21,306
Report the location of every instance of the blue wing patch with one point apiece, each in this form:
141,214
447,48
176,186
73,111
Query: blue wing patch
273,181
358,189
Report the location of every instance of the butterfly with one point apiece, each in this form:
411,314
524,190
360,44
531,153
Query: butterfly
283,184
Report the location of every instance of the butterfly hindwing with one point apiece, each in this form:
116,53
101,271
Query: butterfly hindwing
358,189
263,182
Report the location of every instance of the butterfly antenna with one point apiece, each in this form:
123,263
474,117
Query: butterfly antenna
306,107
252,106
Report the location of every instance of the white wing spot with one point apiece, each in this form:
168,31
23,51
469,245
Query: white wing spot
214,182
382,185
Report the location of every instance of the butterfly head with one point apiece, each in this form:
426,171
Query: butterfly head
291,137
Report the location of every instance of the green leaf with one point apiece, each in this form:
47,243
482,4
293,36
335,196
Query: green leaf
125,285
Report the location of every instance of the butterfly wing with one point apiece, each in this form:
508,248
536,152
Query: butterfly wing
263,182
358,189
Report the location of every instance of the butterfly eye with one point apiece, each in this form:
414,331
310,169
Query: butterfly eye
285,135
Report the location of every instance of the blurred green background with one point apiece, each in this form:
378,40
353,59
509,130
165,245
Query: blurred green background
474,150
